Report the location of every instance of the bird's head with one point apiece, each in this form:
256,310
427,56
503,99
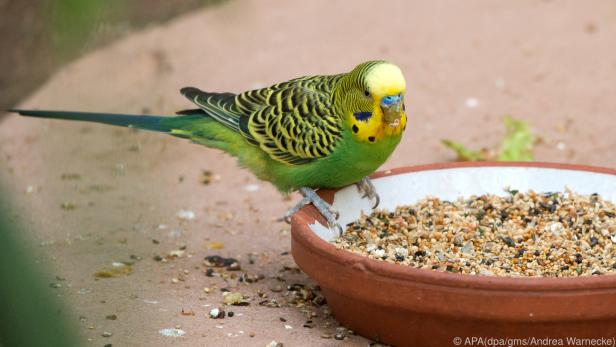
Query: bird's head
372,97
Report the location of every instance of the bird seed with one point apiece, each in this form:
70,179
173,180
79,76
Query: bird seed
520,234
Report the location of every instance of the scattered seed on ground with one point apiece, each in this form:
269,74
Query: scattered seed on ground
217,313
187,312
171,332
116,270
235,298
276,288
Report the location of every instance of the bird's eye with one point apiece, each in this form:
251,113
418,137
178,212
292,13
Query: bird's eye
366,93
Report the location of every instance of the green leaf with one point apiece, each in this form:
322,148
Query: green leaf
517,145
518,142
464,154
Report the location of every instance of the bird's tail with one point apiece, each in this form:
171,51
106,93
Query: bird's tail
153,123
194,125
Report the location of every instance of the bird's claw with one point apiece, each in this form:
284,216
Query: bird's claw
366,187
310,196
293,210
338,228
335,213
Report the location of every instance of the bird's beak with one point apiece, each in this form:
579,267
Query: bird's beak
391,107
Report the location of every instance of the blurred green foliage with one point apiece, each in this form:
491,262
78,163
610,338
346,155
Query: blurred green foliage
518,142
517,145
29,314
72,22
465,154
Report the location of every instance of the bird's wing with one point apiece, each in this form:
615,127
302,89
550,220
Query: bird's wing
220,106
294,122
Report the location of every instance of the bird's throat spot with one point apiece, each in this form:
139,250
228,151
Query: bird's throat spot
362,116
355,129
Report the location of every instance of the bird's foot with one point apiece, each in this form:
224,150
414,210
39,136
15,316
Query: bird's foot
310,196
365,186
293,210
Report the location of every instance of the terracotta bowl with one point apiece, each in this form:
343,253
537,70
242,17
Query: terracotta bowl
405,306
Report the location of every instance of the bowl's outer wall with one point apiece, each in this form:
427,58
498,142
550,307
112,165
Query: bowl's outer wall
400,327
412,307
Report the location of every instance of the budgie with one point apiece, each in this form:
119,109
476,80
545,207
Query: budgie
308,133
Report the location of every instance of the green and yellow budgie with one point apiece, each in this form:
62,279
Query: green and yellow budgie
308,133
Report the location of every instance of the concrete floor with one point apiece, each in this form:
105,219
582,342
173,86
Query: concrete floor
93,195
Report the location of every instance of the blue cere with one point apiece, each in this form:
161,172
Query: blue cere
390,100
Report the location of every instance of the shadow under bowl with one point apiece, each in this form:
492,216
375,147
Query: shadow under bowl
406,306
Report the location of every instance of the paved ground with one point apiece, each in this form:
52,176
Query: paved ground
94,195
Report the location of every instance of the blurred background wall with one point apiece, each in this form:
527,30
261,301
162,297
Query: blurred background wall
38,36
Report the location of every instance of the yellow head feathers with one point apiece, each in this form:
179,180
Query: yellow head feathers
385,79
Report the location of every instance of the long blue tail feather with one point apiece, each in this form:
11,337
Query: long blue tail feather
154,123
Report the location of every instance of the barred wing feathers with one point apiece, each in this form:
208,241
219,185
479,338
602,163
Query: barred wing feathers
294,122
